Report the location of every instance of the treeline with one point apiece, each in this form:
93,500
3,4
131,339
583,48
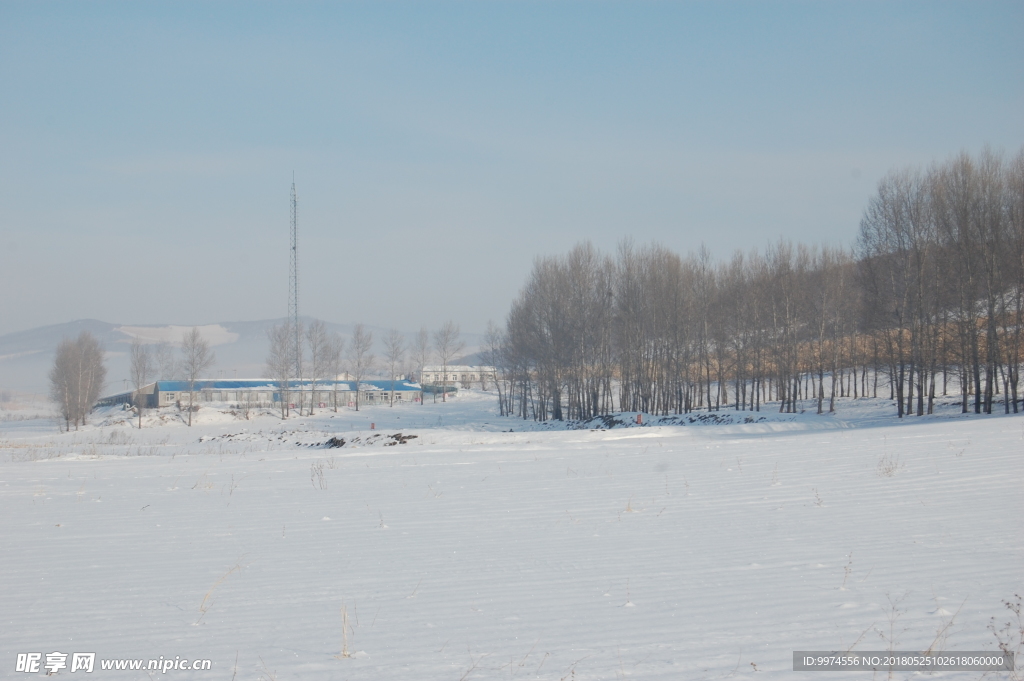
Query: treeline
929,300
309,355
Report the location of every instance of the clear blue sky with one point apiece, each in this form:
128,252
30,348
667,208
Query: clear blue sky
147,149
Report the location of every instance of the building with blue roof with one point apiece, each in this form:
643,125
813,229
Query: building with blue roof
264,392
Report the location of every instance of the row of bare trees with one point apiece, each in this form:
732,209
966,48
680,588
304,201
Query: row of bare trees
942,252
288,367
445,344
325,356
79,373
146,362
930,296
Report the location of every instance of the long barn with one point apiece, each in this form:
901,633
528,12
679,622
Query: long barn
265,392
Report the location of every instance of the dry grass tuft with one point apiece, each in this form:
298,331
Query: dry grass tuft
889,465
207,602
344,633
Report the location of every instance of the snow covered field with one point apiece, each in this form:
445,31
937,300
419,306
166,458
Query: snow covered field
463,551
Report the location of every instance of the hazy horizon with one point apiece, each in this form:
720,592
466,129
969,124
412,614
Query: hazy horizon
148,150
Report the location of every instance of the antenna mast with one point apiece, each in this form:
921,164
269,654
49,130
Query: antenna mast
293,283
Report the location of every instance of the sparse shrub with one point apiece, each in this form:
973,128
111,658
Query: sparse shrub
316,475
1010,637
889,465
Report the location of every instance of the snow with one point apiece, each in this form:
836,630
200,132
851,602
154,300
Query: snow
471,552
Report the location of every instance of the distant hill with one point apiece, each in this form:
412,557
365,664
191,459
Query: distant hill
240,349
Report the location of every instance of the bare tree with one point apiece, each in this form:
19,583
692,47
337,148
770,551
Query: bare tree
299,363
281,361
394,353
317,341
63,387
422,352
334,354
492,356
360,356
141,367
196,358
91,373
165,361
77,376
447,344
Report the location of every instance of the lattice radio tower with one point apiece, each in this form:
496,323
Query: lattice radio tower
293,283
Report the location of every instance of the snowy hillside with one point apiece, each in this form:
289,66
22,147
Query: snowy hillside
451,543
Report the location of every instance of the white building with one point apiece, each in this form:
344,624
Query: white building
458,375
